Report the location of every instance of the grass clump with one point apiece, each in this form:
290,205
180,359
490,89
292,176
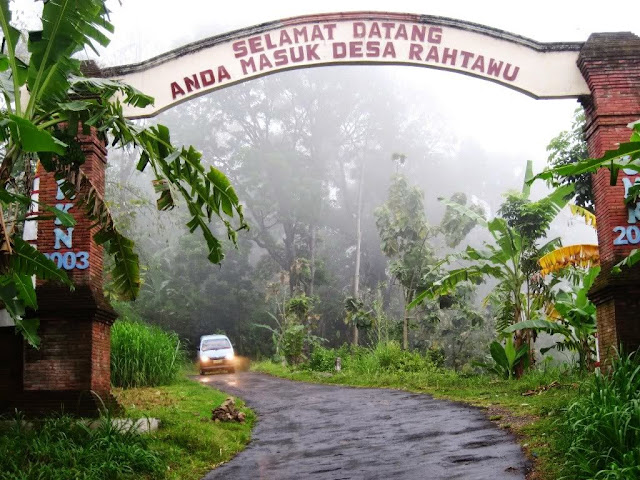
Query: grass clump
144,355
602,428
64,448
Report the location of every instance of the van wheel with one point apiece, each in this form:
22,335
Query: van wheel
202,372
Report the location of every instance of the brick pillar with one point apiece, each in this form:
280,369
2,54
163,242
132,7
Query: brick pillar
610,63
71,369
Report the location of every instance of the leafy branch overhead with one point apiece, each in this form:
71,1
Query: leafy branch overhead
47,99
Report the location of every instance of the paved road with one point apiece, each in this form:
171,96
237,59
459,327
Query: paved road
323,432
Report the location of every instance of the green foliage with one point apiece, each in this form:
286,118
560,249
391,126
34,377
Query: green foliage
505,357
59,94
144,355
455,224
577,324
501,260
385,357
567,149
277,332
17,291
299,306
530,219
511,259
293,340
357,313
404,235
322,359
292,333
64,448
601,431
456,331
401,221
186,447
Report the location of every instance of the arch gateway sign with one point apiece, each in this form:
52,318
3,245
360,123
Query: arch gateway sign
603,73
541,70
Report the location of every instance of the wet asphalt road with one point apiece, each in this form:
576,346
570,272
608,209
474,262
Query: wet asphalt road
323,432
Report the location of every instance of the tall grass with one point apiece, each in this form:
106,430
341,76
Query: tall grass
144,355
601,431
65,448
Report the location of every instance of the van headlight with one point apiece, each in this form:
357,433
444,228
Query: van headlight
229,356
204,358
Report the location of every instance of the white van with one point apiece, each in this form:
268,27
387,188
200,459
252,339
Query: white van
216,353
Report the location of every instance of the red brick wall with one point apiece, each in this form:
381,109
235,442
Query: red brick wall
82,235
74,353
610,63
62,361
100,357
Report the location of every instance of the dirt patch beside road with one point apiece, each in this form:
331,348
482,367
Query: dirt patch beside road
332,432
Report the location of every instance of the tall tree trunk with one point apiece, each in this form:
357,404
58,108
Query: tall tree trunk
356,277
290,255
312,260
408,297
405,329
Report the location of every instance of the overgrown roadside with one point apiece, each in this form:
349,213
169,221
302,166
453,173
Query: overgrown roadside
527,407
189,442
187,445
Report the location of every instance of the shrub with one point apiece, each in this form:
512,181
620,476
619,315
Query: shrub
144,355
292,343
602,429
322,359
392,358
64,448
385,357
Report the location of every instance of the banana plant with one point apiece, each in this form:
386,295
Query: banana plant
575,320
505,358
46,98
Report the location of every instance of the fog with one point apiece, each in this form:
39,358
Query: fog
293,144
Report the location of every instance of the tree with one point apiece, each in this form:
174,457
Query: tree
42,125
569,147
404,235
512,258
456,226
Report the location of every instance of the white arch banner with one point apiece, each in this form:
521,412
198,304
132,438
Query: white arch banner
541,70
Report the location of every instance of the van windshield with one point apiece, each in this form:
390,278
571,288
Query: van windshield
215,344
